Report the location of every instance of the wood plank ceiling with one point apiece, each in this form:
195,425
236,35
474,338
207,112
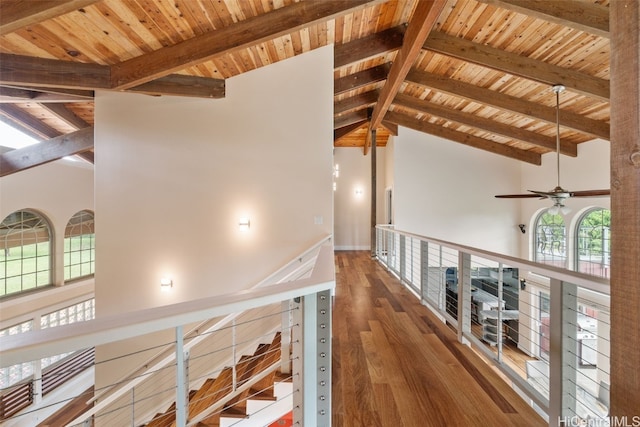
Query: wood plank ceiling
476,72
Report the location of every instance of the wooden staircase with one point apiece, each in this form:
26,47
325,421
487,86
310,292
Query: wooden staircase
215,389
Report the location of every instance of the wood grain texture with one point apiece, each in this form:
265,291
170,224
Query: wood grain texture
395,364
408,121
593,18
625,208
47,151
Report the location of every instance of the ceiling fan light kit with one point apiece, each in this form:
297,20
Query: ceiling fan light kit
558,195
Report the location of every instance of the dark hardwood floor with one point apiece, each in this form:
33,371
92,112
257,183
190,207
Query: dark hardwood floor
395,364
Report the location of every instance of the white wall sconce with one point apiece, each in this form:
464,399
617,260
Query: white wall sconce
244,224
358,192
166,283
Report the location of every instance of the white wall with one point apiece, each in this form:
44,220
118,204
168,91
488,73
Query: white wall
174,175
446,190
589,171
352,212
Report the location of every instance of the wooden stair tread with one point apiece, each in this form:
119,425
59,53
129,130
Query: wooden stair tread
70,411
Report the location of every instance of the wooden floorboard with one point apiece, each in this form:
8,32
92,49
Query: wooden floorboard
395,364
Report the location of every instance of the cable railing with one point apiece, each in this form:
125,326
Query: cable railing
545,328
293,304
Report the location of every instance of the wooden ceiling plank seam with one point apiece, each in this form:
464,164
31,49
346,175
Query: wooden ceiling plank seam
517,65
26,120
17,15
422,23
505,102
463,138
367,47
587,17
47,151
161,62
488,125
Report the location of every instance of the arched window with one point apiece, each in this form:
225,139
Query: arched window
25,263
79,246
551,240
594,245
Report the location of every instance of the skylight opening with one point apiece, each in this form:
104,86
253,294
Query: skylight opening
13,138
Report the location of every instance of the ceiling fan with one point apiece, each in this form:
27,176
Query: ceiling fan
558,195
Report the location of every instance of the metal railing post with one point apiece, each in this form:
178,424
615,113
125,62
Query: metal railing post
312,361
285,337
181,389
499,321
464,295
402,270
424,270
562,352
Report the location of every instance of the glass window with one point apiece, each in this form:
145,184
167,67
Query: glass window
66,316
594,245
16,373
25,248
79,246
551,240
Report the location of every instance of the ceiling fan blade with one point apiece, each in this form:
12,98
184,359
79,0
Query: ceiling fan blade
517,196
591,193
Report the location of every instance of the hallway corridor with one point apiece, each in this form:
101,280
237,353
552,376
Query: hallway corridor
395,364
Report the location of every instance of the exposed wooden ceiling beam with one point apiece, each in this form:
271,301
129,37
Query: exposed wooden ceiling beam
88,156
391,127
509,103
350,118
15,14
241,35
347,130
36,126
66,115
589,17
463,138
46,151
354,103
423,21
518,65
181,85
20,70
376,44
485,124
16,70
13,95
360,79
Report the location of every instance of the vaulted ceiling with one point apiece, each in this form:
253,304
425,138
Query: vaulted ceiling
476,72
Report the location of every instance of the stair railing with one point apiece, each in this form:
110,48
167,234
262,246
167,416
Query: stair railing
299,266
110,329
